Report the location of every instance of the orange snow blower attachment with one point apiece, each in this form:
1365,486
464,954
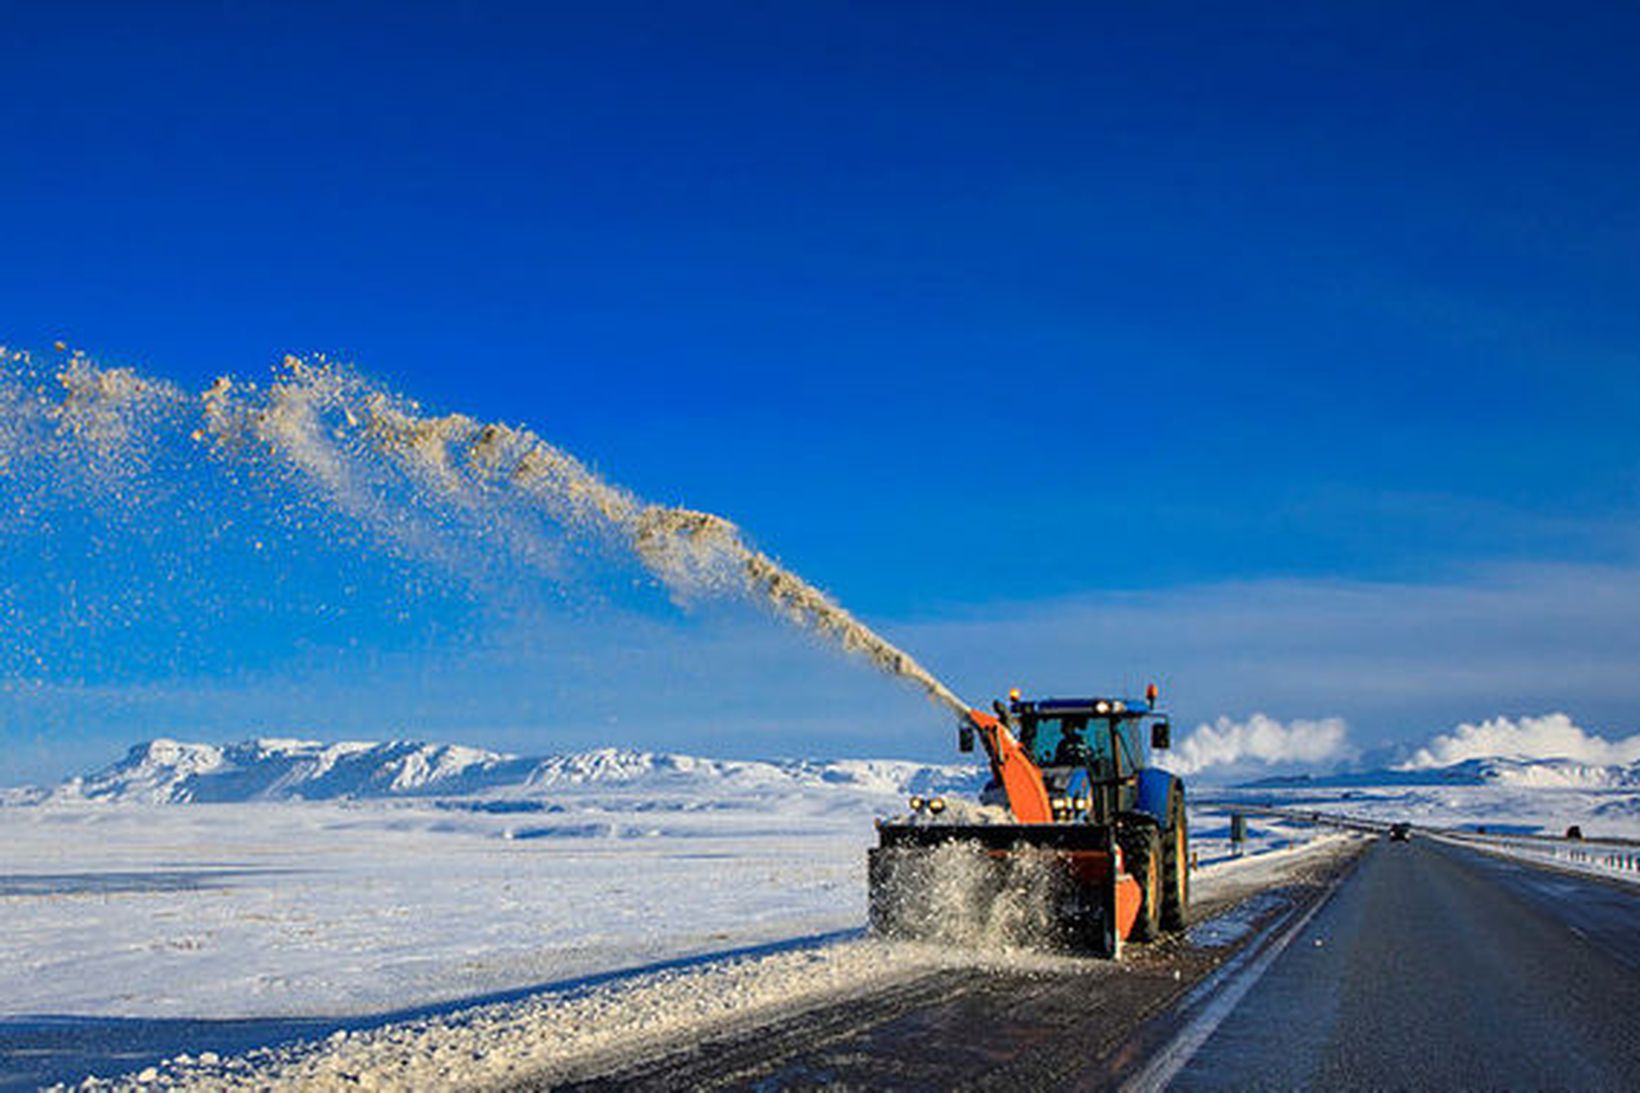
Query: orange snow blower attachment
1012,769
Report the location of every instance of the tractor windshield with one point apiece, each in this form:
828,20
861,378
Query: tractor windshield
1068,741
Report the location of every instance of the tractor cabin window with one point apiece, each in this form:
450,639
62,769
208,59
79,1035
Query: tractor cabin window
1069,742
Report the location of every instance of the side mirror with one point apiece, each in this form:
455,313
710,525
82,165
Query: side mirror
965,738
1161,735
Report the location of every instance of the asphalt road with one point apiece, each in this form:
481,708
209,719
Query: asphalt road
1437,967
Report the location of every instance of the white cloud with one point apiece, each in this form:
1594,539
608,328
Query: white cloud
1258,740
1550,737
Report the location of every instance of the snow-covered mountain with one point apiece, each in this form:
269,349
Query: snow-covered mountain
1548,773
1492,770
174,772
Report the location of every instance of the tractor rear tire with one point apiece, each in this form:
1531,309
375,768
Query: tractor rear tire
1142,847
1176,865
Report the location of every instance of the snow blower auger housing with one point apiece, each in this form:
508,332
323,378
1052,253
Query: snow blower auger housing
1083,846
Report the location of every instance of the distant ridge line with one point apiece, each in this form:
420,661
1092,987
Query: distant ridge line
167,771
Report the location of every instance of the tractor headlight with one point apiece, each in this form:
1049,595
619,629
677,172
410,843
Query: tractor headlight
916,804
936,805
1101,706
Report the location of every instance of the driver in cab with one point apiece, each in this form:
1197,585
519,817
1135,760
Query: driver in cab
1073,750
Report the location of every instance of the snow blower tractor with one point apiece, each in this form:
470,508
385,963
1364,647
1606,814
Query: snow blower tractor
1078,842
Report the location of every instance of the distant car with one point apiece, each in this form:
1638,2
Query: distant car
1400,833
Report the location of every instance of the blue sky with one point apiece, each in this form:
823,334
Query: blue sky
978,319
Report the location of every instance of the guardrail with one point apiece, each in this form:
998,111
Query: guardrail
1620,859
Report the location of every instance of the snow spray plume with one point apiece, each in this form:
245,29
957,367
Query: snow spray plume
334,431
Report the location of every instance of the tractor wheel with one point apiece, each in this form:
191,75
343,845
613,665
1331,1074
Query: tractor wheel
1176,865
1142,847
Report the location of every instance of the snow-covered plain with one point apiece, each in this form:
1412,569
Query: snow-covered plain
334,908
114,905
285,879
282,909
